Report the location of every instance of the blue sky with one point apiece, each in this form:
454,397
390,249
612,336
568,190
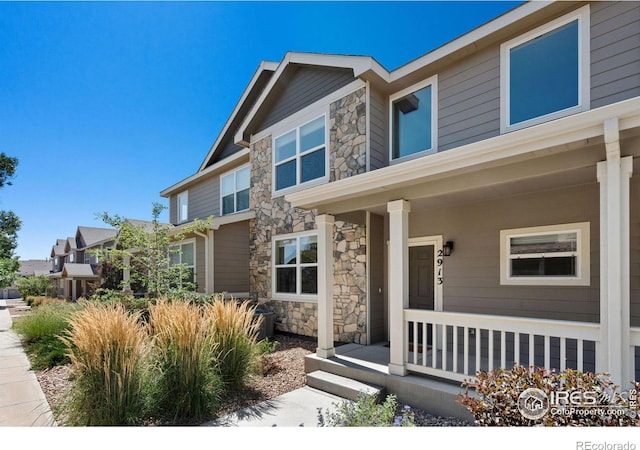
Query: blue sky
105,104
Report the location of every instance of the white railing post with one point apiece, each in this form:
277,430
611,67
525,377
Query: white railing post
324,226
398,282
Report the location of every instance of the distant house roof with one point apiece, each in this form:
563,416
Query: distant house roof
70,245
72,270
34,267
146,225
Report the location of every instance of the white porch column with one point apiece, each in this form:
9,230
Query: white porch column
208,260
324,225
614,354
398,282
73,290
126,274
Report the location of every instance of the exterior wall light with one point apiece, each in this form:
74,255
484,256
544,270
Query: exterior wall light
447,248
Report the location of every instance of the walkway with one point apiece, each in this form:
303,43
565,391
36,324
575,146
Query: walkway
22,402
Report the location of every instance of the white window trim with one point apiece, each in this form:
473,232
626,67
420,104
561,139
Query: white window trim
180,244
235,191
286,296
316,181
584,78
433,82
185,195
583,260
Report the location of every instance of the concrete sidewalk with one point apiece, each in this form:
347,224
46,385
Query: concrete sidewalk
22,402
297,408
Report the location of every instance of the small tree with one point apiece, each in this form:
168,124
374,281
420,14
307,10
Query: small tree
9,227
34,286
146,252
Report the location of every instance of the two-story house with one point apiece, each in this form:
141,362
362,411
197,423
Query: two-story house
74,261
473,208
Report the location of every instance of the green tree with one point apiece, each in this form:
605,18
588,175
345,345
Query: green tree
146,251
9,226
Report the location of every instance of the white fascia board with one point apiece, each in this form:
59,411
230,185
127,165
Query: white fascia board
468,39
359,65
217,167
558,132
264,66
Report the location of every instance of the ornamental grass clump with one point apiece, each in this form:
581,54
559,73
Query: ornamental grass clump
186,386
107,346
234,328
41,330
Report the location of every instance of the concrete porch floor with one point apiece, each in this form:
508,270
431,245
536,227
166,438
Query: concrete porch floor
369,364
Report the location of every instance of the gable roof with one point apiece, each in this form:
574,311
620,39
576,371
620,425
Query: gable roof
58,248
74,270
70,245
91,236
35,267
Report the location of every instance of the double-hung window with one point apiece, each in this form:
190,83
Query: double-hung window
414,120
183,254
234,191
295,265
183,206
549,255
545,73
300,155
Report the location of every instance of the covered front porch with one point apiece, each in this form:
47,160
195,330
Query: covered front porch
567,178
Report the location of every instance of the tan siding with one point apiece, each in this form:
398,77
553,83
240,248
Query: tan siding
204,199
231,261
378,125
634,218
472,272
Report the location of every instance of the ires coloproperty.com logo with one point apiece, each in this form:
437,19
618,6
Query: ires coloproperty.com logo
534,403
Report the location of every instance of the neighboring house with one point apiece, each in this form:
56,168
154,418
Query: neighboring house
474,208
74,260
34,267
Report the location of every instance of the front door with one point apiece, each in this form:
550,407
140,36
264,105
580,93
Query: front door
421,277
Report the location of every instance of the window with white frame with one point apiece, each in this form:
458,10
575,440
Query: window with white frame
71,257
295,264
300,155
234,191
545,73
87,257
413,120
183,206
548,255
184,254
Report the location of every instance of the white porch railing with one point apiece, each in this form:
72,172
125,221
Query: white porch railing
456,345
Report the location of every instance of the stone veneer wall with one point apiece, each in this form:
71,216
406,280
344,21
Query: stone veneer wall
348,146
275,216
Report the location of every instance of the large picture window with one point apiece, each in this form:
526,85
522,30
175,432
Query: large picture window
300,155
413,120
545,72
554,255
296,264
234,191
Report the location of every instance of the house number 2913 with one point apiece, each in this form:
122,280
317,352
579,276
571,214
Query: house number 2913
439,261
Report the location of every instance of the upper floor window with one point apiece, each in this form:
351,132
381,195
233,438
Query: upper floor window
300,155
234,191
549,255
545,73
413,120
295,264
71,257
183,206
87,257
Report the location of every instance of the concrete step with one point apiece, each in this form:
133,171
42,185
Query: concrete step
342,386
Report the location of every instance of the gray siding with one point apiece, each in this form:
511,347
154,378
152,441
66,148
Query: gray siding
615,52
472,272
204,200
469,100
231,260
173,209
298,89
634,234
378,126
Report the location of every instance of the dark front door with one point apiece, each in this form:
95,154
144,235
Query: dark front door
421,286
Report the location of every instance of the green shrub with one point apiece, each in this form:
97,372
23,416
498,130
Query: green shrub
185,384
497,393
33,286
367,412
234,328
107,346
41,330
